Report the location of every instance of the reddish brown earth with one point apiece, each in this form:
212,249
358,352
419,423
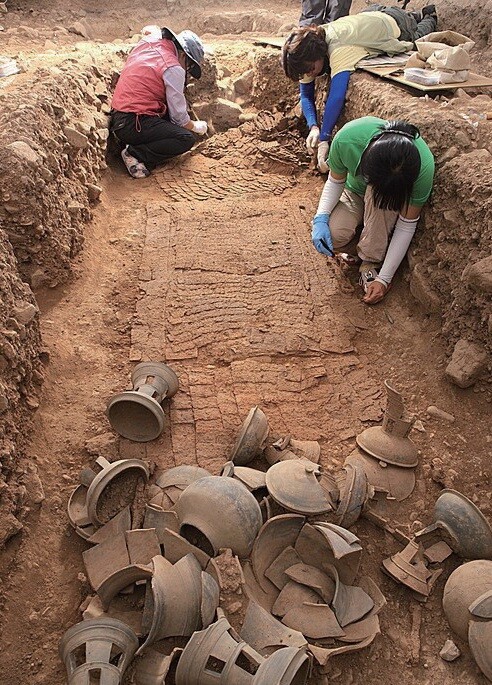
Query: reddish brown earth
208,265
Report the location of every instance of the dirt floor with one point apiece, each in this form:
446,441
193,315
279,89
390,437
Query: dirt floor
208,265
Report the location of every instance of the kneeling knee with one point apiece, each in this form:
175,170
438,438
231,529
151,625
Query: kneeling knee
188,139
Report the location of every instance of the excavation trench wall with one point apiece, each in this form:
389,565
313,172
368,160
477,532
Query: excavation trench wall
52,153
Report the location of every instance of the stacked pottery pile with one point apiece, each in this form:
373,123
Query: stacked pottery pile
153,569
304,587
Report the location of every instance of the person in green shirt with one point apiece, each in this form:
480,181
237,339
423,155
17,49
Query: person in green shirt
381,175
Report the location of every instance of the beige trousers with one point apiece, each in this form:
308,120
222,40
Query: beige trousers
378,224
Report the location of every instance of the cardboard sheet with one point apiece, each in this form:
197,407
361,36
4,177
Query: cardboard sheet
395,74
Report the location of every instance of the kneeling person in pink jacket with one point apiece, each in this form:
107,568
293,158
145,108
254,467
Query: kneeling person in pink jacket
149,111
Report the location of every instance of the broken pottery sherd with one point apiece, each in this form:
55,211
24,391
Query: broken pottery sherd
323,654
108,559
96,641
143,545
437,552
137,414
176,547
324,545
116,526
216,513
359,631
250,478
295,485
309,449
157,518
274,537
367,627
118,609
464,586
354,493
181,476
315,621
265,633
251,439
174,600
409,568
314,578
264,595
276,571
77,513
153,667
469,532
294,595
350,603
117,582
397,482
172,482
274,455
210,599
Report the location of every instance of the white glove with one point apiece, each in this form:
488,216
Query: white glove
200,127
313,139
323,156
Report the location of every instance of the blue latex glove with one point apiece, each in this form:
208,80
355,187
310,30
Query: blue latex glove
321,235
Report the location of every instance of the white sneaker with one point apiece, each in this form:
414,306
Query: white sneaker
368,272
135,168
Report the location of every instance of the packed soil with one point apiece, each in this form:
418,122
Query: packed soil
207,265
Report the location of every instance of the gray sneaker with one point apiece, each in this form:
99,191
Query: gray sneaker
368,272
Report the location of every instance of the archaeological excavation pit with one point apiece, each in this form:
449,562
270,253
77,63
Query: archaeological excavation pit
207,266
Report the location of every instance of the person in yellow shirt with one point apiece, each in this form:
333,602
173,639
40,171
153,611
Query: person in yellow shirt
336,49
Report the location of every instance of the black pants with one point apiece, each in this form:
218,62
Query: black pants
323,11
410,28
151,139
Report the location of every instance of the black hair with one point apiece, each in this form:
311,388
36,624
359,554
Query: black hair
391,164
303,47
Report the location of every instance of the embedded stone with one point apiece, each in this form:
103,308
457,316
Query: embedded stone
226,114
448,154
450,651
24,312
75,138
468,362
24,152
479,275
203,110
243,85
33,485
421,290
93,192
79,29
